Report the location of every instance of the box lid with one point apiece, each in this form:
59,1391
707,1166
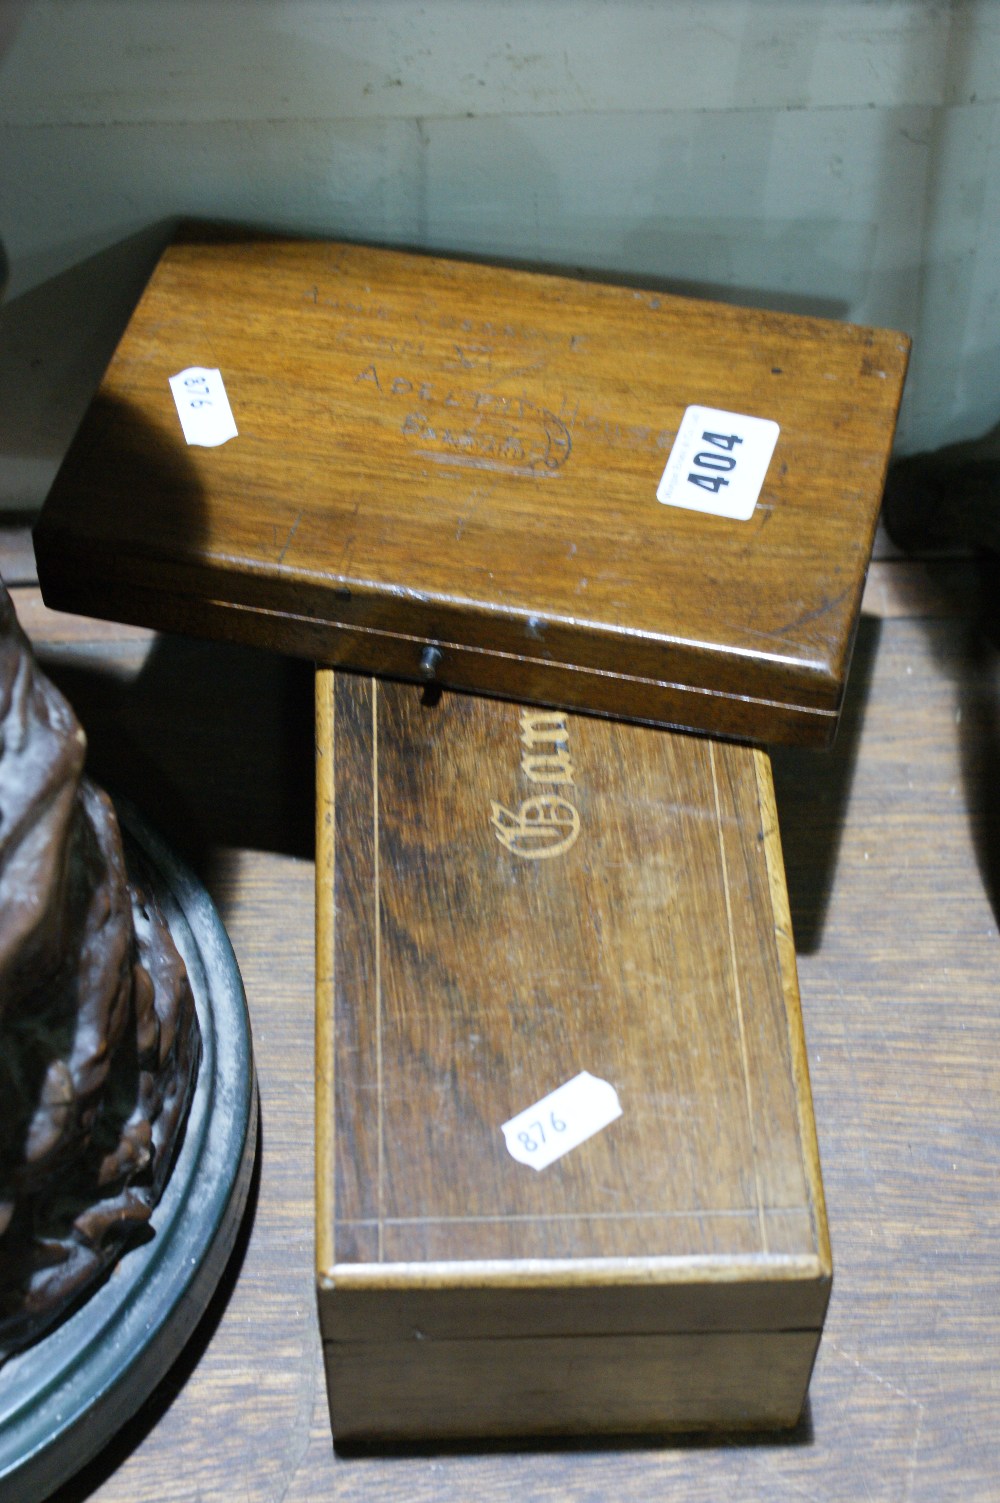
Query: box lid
506,898
451,470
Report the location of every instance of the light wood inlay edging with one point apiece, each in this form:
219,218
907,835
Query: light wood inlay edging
326,930
793,1010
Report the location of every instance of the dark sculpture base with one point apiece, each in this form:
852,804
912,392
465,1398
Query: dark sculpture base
63,1399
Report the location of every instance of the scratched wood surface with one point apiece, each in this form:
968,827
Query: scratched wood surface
445,455
892,849
615,917
507,896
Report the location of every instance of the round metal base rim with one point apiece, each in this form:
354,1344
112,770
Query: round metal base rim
64,1398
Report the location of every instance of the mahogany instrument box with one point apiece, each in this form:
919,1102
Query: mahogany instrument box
517,484
567,1176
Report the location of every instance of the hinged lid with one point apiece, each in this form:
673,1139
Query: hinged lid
451,471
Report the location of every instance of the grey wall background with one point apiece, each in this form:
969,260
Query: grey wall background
814,155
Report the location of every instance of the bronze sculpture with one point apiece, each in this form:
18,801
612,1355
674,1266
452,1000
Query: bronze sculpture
99,1040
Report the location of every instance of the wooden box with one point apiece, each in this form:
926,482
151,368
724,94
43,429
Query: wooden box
451,471
507,898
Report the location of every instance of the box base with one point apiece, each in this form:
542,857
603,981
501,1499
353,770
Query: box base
724,1380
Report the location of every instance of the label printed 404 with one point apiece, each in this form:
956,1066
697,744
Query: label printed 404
718,462
707,465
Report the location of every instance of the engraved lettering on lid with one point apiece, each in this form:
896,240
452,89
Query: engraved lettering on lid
473,425
546,824
545,729
540,827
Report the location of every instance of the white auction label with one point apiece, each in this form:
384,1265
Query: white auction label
562,1120
718,462
203,406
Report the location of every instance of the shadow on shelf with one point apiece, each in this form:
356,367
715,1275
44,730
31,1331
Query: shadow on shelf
812,790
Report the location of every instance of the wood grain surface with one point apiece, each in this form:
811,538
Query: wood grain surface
434,453
892,850
472,975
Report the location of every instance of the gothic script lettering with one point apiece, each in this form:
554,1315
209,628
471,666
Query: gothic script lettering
546,824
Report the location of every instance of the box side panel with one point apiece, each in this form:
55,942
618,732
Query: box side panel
575,1298
188,603
579,1385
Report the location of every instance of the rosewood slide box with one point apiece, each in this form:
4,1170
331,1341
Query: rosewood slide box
452,471
507,898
